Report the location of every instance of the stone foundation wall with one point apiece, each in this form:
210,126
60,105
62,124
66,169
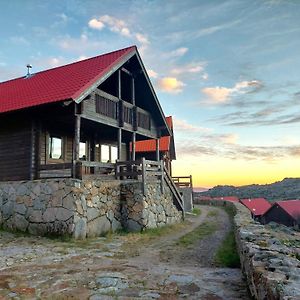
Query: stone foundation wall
83,209
150,211
268,255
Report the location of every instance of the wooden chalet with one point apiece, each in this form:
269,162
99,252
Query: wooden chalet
78,119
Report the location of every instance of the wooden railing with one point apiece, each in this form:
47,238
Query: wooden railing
59,170
183,181
106,107
149,171
111,107
94,168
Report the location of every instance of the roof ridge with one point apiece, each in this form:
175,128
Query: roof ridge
71,63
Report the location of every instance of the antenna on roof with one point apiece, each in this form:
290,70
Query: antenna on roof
29,66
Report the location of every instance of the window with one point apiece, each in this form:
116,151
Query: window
113,153
55,147
109,153
82,151
105,153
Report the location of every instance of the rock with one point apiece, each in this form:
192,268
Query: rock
50,214
63,214
133,226
92,213
36,216
80,230
20,222
98,226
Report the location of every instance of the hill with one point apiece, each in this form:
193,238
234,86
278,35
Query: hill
288,188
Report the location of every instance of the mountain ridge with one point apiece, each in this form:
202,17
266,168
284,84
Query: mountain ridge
286,189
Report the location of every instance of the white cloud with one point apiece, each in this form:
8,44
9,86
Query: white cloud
142,38
114,24
178,52
219,94
188,68
96,24
152,74
183,125
204,76
171,85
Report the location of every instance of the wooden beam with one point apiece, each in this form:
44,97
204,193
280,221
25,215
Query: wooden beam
76,139
119,85
133,146
119,143
32,151
157,149
133,90
126,71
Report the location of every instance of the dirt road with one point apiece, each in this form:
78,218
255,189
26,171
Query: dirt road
120,267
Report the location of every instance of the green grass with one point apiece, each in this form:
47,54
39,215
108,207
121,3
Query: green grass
197,234
196,211
227,255
213,213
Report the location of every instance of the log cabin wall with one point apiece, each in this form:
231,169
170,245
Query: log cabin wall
15,148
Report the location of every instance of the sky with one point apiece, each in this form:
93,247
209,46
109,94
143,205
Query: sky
227,71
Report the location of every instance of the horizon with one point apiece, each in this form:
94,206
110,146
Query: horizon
227,71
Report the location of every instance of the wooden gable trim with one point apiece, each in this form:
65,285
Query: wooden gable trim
94,86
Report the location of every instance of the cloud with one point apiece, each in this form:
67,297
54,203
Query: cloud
170,85
188,68
114,24
183,125
223,94
204,76
152,74
121,27
96,24
178,52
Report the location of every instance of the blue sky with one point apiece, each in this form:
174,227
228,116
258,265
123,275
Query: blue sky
227,71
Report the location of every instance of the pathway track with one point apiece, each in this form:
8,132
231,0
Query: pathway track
39,268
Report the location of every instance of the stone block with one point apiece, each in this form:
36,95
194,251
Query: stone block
20,222
63,214
35,216
50,214
92,213
98,226
20,209
80,230
7,209
68,202
37,229
133,226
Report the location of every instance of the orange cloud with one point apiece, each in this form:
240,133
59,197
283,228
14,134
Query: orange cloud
171,85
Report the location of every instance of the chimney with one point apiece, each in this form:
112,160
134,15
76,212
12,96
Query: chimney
29,66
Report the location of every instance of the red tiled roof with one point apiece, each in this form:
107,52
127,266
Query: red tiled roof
57,84
150,145
257,206
292,207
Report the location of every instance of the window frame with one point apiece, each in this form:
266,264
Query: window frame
50,159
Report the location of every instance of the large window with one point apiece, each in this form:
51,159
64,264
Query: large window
83,151
55,147
109,153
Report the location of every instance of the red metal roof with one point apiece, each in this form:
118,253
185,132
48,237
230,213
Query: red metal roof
292,207
150,145
57,84
257,206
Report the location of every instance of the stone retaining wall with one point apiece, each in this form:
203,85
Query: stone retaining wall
267,254
83,209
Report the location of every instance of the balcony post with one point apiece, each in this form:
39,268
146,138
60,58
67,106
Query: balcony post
119,143
76,139
133,146
157,149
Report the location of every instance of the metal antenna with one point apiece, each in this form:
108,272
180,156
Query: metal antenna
29,66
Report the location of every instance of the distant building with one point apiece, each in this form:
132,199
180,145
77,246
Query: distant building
284,212
257,206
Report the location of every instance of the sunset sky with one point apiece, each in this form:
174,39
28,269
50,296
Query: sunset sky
227,71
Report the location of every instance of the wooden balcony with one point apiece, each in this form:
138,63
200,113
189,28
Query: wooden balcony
110,110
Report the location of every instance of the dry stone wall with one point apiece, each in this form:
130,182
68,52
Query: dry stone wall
86,208
269,254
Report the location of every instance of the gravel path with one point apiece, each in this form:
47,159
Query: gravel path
39,268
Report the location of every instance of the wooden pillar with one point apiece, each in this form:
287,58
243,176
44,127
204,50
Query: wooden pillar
133,146
32,152
119,143
133,90
119,84
157,149
76,140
